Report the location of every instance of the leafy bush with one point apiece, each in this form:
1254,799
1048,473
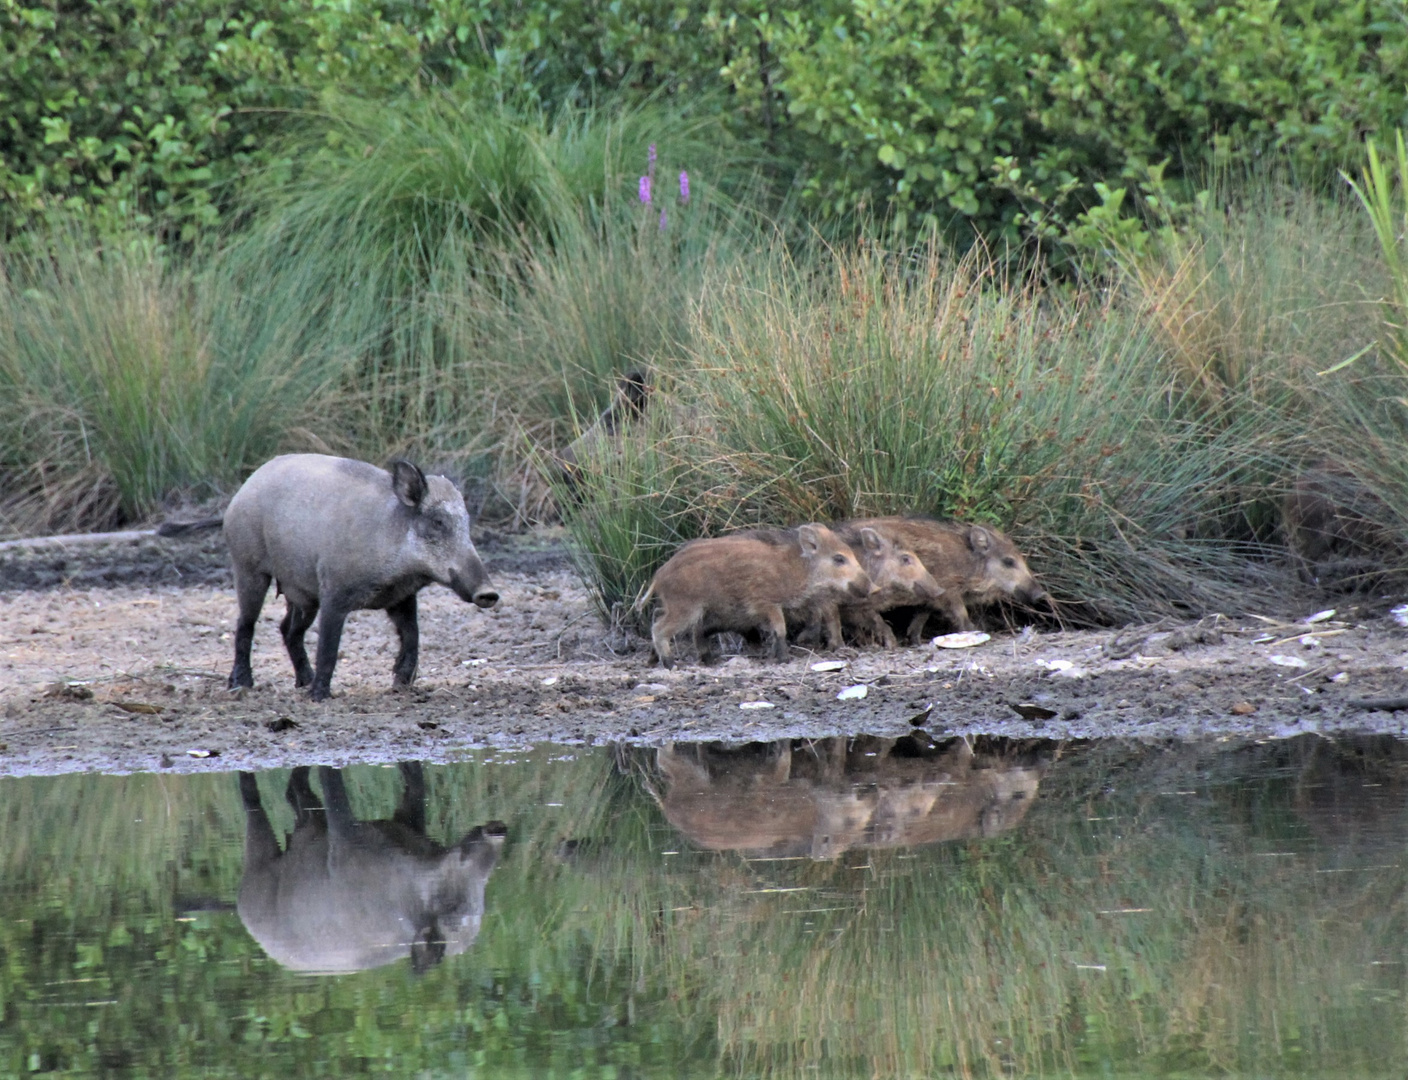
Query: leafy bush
1005,117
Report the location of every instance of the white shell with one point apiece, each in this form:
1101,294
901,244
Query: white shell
961,641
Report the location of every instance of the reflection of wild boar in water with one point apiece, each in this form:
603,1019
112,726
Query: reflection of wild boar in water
750,583
338,535
973,564
346,895
824,798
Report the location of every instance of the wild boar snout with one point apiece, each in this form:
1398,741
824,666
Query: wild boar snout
862,586
471,584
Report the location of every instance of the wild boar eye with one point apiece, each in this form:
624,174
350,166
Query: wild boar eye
839,560
1010,562
905,560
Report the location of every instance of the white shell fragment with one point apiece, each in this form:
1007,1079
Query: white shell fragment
853,693
1064,668
756,705
829,665
1319,616
1400,614
965,640
1288,661
551,680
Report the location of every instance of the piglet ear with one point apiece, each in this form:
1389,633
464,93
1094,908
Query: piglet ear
408,482
810,539
979,539
872,540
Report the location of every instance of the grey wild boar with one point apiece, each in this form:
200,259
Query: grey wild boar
627,406
748,583
973,564
336,536
347,895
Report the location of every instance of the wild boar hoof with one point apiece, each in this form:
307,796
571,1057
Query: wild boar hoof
320,693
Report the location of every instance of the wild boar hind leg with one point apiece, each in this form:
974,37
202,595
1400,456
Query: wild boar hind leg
296,622
251,586
403,617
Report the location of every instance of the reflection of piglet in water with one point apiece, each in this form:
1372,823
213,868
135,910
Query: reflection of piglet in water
337,536
346,895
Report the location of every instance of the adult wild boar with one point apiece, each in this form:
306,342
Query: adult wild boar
973,564
346,895
335,536
747,583
627,406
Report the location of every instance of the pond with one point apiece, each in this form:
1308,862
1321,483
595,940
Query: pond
847,907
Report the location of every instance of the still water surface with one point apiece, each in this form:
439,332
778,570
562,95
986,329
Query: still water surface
847,907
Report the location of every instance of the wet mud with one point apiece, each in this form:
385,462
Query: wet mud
113,657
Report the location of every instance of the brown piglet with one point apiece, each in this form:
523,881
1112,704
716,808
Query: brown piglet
746,582
899,579
973,564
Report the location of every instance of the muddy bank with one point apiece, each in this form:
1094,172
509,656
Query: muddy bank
117,659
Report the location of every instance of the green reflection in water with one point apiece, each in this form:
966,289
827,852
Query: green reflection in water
1155,911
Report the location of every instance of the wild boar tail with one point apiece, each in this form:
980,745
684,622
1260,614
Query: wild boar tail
181,528
644,598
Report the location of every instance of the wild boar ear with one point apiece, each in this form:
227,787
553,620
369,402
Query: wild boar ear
408,482
809,538
979,539
872,540
634,390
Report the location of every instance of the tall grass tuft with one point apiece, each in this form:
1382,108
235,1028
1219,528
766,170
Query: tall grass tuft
872,382
124,376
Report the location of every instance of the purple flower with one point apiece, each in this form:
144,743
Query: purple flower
662,217
650,160
645,190
684,187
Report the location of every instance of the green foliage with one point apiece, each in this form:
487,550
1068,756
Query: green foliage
1384,194
1005,117
1013,120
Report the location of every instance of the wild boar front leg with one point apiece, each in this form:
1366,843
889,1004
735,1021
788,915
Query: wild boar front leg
403,617
331,620
776,624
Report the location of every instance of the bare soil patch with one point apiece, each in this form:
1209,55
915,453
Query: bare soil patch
116,660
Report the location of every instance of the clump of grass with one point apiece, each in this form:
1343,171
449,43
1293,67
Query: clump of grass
875,383
124,376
